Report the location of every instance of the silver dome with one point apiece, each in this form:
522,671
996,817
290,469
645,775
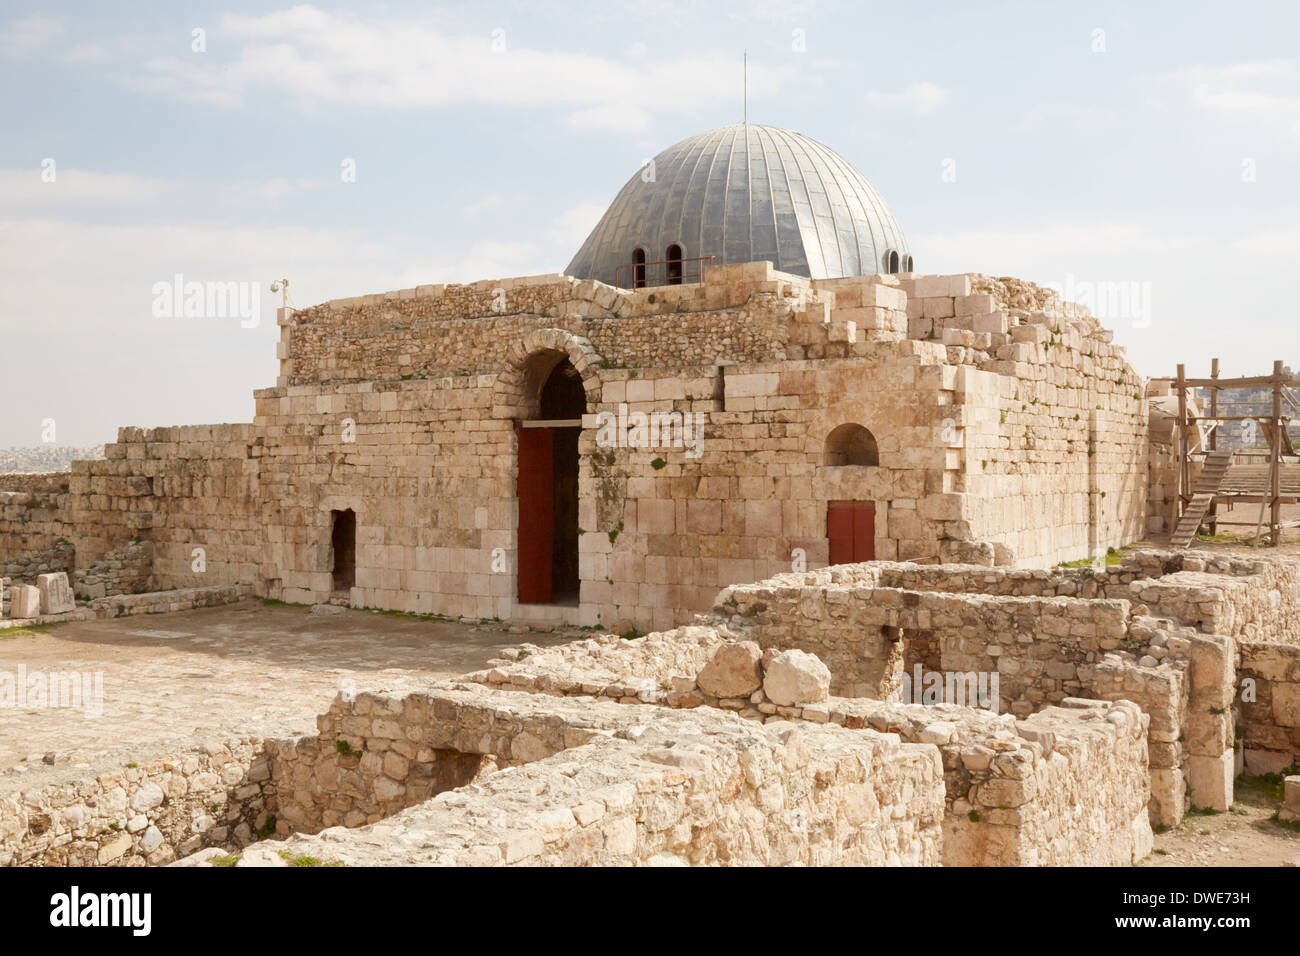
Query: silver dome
744,193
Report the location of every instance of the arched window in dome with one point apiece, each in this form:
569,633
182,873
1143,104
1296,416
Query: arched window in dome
851,444
638,268
891,262
674,264
909,264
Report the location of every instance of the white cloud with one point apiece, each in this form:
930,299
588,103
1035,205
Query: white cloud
616,118
322,58
87,53
28,35
78,185
921,98
279,187
1068,114
572,226
1264,95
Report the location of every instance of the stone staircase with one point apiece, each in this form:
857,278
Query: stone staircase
1207,486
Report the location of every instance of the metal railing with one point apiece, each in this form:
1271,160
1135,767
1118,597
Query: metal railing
644,275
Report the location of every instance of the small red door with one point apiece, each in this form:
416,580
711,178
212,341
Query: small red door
535,493
851,531
864,531
839,529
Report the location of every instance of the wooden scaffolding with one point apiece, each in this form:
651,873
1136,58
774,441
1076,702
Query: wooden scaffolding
1226,478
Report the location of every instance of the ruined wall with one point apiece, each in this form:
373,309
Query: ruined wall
1049,417
217,795
1256,599
1043,649
606,784
34,526
439,330
179,488
1067,786
1270,712
124,570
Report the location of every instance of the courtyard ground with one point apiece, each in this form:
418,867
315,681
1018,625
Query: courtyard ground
171,681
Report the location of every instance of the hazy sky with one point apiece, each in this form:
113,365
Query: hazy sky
1153,147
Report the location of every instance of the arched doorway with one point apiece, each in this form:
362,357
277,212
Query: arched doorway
548,482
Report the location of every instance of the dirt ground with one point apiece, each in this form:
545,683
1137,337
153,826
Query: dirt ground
174,680
1247,835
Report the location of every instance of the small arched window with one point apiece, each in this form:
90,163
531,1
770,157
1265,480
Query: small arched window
638,268
909,265
891,262
674,258
851,444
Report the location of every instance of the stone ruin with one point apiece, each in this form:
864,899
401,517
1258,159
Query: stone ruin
768,732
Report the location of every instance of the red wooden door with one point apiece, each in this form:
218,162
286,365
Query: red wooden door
864,531
535,491
851,531
839,529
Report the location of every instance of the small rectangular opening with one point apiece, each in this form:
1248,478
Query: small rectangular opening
343,546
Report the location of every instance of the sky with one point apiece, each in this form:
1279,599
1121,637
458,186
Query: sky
1145,155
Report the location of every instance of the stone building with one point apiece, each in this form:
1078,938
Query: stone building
740,375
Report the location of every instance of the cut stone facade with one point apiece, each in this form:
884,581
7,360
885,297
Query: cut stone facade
1000,426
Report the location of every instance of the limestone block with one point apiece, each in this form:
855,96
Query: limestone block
1290,810
1210,779
1168,798
24,601
1286,704
56,594
793,678
927,286
993,322
733,671
883,296
981,304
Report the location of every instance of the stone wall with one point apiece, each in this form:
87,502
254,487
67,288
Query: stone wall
1050,416
1042,648
34,528
147,814
179,489
124,570
148,602
1004,422
436,331
607,784
1067,786
1269,705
